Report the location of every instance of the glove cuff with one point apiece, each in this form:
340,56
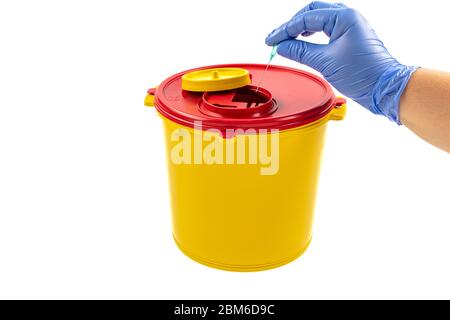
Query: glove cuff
389,89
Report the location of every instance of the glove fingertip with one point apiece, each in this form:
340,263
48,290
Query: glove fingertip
269,41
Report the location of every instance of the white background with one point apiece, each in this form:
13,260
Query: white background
84,202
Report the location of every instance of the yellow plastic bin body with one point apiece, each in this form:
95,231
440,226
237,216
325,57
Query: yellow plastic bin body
229,216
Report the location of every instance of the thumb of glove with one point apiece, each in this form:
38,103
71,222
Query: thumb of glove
303,52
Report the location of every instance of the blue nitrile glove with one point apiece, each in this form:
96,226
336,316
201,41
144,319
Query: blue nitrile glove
355,61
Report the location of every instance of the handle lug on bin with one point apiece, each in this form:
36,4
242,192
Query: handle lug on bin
340,109
150,97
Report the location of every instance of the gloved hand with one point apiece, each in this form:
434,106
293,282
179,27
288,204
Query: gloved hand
355,61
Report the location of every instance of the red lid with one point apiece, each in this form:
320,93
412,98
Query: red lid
287,98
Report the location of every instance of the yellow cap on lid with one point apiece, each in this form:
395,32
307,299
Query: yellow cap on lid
216,79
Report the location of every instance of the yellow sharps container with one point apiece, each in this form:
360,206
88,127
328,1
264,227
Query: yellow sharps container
244,161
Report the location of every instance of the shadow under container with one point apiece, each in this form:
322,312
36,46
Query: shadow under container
245,208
